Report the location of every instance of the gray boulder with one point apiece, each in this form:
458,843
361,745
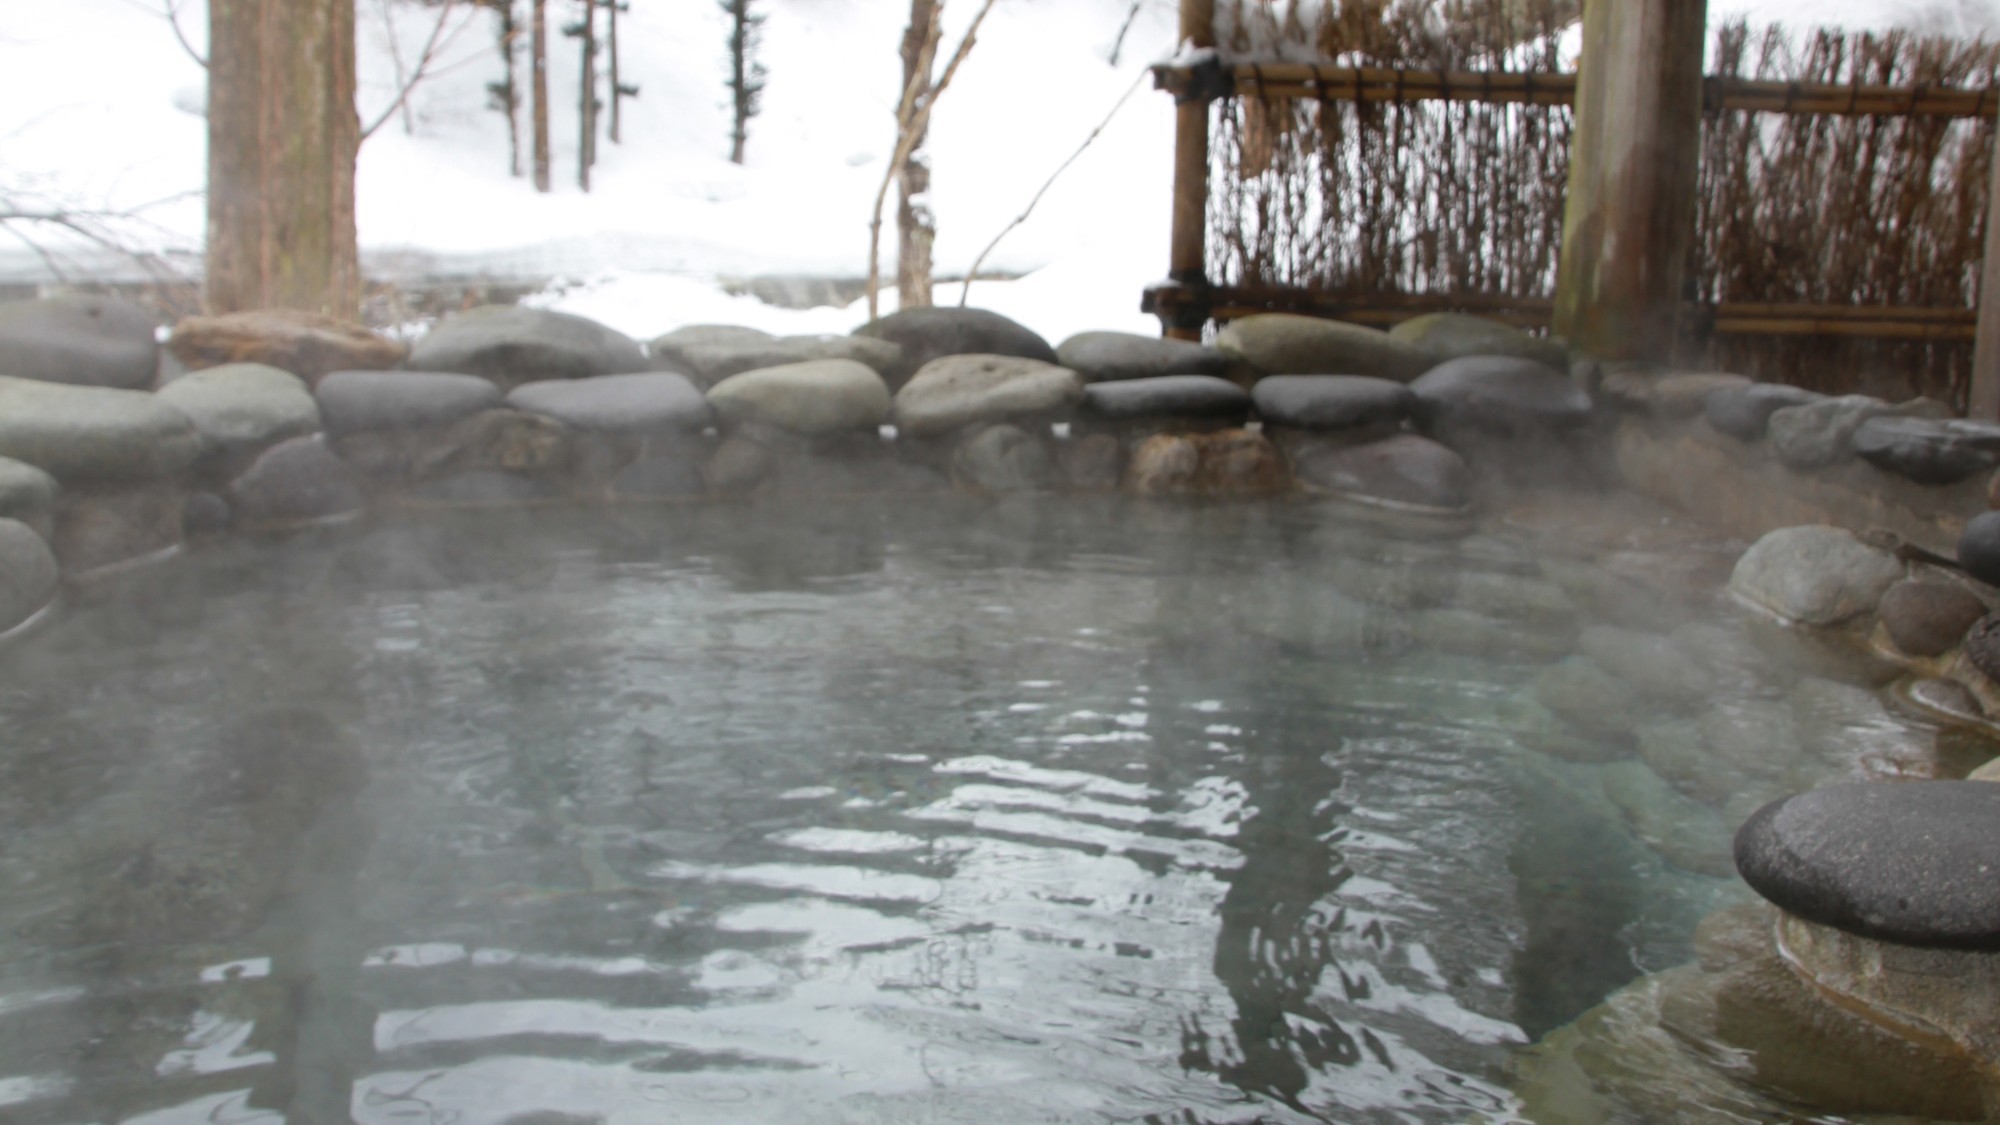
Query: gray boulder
1818,434
960,390
1332,402
1979,547
1444,336
1287,344
649,403
1404,469
1101,357
825,396
94,434
1814,575
1003,459
512,345
1165,398
81,340
28,573
709,364
242,408
354,402
1928,617
929,334
1922,450
1744,412
672,347
296,482
1649,662
29,495
1499,397
1589,698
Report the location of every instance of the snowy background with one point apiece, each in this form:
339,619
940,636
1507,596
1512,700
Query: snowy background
99,109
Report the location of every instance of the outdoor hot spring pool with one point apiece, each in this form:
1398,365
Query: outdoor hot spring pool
943,810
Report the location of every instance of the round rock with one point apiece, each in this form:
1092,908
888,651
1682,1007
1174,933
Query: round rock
29,495
1101,357
1814,575
306,344
1818,434
94,433
1923,450
28,573
672,347
1288,344
1982,645
244,407
959,390
709,364
1911,862
1159,398
1744,412
1444,336
353,402
932,333
513,345
1979,547
1405,469
1003,459
81,340
1332,402
1928,618
296,482
821,397
650,403
1499,396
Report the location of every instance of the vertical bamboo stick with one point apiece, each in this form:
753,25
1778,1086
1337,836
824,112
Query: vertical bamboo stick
1188,263
1983,398
1629,221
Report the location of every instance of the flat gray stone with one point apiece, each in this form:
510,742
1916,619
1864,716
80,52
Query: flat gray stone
649,403
296,482
1923,450
1101,357
1498,396
1814,575
1744,412
94,434
513,345
1444,336
932,333
81,340
1332,402
28,573
242,408
669,345
825,396
1909,862
29,495
1404,469
354,402
709,364
1287,344
1818,434
960,390
1166,397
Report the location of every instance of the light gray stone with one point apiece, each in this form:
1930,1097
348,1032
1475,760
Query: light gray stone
354,402
1446,335
1287,344
825,396
296,482
29,495
242,408
926,334
1103,357
513,345
28,573
960,390
94,433
1814,575
1648,661
1819,434
647,403
81,340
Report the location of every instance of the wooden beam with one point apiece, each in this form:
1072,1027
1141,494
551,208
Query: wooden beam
1188,260
1635,149
1983,397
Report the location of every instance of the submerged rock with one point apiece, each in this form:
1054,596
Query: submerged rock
85,341
1647,661
928,334
1814,575
1288,344
1227,463
1405,469
1589,698
1509,398
296,482
1003,459
1685,833
1818,434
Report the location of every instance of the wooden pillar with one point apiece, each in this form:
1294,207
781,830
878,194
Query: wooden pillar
1983,398
1629,223
1189,261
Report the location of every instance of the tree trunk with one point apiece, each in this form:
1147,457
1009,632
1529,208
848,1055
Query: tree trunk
916,229
586,148
507,90
282,138
739,76
617,89
538,50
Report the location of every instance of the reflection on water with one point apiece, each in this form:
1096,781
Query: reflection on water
1071,811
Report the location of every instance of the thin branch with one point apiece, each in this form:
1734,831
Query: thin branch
966,292
1118,44
435,43
916,122
174,21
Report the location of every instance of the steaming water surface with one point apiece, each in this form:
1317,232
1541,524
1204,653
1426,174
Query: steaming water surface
1076,811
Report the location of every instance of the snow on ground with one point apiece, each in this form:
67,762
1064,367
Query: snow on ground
95,100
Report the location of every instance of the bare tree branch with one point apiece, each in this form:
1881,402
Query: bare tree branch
433,45
973,273
914,116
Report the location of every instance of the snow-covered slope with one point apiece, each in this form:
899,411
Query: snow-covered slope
89,118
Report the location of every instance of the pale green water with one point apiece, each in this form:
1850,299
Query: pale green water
1076,810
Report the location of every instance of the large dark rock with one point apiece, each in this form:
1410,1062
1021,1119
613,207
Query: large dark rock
87,341
1744,412
28,573
928,334
1912,863
711,363
1101,357
296,482
353,402
1979,547
1332,402
1404,469
512,345
1499,397
648,403
1166,398
1923,450
306,344
1928,618
1288,344
94,434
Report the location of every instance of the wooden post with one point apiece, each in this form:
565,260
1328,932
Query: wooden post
1188,263
1629,223
1983,397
